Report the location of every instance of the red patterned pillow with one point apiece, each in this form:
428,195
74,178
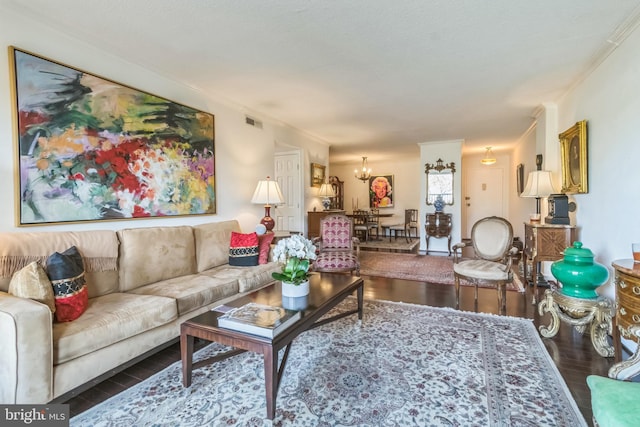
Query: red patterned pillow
265,247
66,272
243,250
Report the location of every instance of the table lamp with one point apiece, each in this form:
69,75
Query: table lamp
326,192
267,192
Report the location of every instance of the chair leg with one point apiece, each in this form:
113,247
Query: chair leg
456,280
476,292
502,298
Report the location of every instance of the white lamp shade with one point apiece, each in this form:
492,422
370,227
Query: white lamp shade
268,193
326,190
538,185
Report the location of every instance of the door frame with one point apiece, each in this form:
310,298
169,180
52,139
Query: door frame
300,211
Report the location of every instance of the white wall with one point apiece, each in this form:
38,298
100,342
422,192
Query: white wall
609,99
449,151
244,154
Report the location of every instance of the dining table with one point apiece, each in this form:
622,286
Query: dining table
372,215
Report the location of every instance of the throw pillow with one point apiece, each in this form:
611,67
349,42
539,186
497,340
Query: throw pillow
66,272
243,250
32,282
265,247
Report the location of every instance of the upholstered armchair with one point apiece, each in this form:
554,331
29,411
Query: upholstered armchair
338,249
615,401
492,242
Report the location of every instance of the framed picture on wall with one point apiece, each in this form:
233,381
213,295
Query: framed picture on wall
91,149
381,191
520,178
573,152
317,174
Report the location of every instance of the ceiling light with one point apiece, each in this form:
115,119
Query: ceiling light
364,174
489,158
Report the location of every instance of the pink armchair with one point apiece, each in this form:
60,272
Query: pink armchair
338,250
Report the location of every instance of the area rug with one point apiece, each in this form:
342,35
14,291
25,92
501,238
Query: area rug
384,244
421,268
404,365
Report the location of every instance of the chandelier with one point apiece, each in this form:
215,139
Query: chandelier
363,174
489,158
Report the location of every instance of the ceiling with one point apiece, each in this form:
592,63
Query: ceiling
369,77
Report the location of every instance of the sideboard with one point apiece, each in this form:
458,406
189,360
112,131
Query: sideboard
545,242
438,225
627,282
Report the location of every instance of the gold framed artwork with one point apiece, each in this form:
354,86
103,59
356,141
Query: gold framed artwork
573,151
317,174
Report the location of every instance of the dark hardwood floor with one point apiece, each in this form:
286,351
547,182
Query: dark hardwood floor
572,353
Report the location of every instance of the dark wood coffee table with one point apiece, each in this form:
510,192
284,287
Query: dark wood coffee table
326,291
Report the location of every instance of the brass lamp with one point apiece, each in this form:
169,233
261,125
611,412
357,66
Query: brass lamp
268,192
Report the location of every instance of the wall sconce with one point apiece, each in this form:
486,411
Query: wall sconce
365,173
326,192
489,158
268,192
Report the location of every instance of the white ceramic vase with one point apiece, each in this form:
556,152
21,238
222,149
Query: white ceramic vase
291,290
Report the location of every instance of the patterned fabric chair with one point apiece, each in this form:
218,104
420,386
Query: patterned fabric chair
615,400
338,250
492,241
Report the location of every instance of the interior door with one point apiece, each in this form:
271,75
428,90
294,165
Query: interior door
483,195
288,175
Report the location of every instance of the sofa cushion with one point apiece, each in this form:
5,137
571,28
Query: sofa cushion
212,243
32,282
99,249
265,247
66,272
243,249
149,255
109,319
192,292
249,278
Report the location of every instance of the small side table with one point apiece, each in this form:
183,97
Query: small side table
438,225
595,314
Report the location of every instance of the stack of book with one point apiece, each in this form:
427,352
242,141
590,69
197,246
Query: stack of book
258,319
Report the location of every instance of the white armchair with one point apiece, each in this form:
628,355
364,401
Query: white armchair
492,241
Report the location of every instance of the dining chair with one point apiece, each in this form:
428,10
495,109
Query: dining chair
373,222
410,223
361,224
492,241
337,249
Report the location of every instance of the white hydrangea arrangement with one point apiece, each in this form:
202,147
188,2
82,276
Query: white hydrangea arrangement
294,253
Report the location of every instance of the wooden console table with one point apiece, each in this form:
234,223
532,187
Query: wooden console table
627,282
545,242
438,225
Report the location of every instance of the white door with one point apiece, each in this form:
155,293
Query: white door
288,175
483,195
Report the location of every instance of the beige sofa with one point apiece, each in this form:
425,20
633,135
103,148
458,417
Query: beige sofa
143,283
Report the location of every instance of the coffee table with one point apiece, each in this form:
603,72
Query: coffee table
326,291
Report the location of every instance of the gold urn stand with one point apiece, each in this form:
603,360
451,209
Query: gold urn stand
585,315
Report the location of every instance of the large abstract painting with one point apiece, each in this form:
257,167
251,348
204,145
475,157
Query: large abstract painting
91,149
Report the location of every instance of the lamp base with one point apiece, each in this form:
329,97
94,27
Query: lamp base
267,221
326,203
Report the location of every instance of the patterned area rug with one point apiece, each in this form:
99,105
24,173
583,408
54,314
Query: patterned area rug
406,365
384,244
421,268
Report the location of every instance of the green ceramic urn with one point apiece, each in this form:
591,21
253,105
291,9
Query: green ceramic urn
578,274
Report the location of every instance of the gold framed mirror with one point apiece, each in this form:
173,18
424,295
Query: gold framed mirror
440,181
